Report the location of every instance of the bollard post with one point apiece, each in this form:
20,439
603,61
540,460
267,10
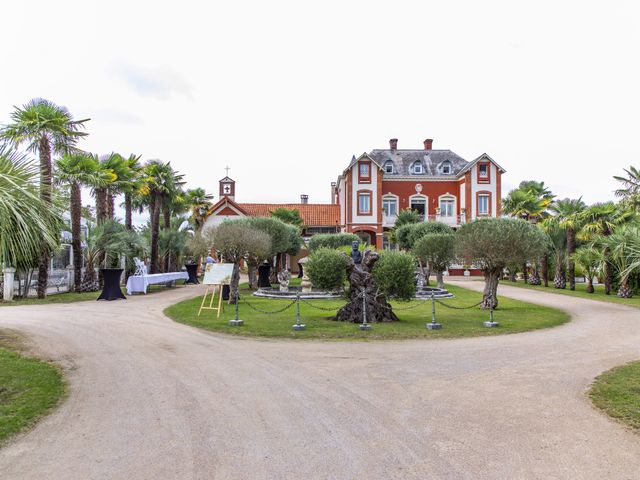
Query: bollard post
364,325
235,322
491,323
298,326
433,325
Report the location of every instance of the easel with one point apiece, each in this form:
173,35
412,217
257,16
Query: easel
220,307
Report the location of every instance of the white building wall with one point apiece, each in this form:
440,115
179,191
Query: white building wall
462,197
373,187
341,202
479,187
215,220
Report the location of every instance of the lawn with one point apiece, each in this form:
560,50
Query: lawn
580,291
617,392
29,388
514,317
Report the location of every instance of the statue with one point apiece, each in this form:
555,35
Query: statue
356,255
283,280
420,280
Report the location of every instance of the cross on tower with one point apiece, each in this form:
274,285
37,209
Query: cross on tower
227,170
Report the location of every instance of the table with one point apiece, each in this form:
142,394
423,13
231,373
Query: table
111,289
192,271
140,283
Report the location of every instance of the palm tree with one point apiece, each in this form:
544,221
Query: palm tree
199,202
567,215
45,127
134,171
591,261
630,191
100,192
77,170
157,182
603,219
623,245
28,221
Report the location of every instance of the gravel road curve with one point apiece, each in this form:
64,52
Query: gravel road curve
154,399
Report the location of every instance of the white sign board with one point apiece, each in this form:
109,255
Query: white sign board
218,273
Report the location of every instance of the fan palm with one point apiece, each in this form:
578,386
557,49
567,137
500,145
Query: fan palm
133,174
28,221
630,191
603,219
567,215
199,202
624,245
77,170
46,128
157,183
591,260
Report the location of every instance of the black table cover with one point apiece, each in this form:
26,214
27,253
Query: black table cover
192,270
111,290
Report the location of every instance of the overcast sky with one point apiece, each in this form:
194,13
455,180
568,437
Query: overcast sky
286,92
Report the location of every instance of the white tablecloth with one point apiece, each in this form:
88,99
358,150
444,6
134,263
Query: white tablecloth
140,283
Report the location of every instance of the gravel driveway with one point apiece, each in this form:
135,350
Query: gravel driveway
154,399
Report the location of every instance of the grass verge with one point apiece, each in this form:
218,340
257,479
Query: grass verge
514,317
617,393
580,292
29,388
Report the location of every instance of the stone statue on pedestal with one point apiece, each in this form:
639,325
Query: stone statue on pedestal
356,255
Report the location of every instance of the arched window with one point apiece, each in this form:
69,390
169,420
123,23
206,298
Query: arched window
446,167
417,168
388,166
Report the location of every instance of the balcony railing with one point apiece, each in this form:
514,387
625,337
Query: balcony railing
451,220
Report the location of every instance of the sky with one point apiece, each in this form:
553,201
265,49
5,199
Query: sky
285,92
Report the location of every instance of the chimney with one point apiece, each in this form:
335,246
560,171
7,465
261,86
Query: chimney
334,192
393,144
428,144
304,199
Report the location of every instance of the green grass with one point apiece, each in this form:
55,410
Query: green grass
514,317
29,388
70,297
617,393
580,291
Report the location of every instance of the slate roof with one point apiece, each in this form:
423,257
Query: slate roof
312,214
431,160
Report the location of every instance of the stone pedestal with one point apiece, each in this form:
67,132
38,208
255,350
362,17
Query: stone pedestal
491,324
305,283
434,326
70,278
7,292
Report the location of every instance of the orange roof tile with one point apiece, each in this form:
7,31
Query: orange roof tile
312,214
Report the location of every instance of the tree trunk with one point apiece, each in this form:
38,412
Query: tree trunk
166,213
101,204
624,290
44,148
156,203
439,279
534,278
525,276
253,277
375,306
544,269
128,211
590,285
76,241
608,272
111,206
559,279
490,292
571,265
233,286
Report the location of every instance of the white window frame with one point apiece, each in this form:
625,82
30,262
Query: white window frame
362,211
488,197
446,164
426,204
486,175
388,163
448,198
390,198
414,165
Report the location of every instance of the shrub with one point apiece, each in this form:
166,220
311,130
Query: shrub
327,269
408,234
407,217
332,240
437,250
394,274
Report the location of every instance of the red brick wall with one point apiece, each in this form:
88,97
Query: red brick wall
433,190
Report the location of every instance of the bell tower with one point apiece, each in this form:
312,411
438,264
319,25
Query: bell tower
227,186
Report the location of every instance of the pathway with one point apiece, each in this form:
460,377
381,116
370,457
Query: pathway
153,399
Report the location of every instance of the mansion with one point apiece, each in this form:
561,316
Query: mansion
438,184
367,196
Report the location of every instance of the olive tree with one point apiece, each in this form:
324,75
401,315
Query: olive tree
237,241
437,250
332,240
494,243
285,238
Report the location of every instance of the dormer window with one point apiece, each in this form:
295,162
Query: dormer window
388,166
446,168
417,168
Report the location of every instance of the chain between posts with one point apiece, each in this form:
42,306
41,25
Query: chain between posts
265,312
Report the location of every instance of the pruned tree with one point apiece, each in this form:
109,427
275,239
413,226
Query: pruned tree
438,251
236,240
332,240
494,243
362,283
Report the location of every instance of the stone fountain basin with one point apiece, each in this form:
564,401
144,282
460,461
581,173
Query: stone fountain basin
274,292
